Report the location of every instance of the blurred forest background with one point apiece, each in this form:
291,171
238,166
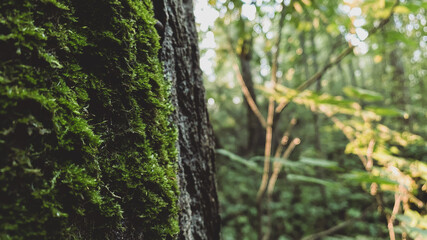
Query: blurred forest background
319,112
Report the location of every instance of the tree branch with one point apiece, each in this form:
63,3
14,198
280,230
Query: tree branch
276,170
248,96
333,62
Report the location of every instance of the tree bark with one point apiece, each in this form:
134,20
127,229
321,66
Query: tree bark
87,146
198,202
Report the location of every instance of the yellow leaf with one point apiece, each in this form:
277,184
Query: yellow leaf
401,9
298,7
378,58
306,2
316,23
382,13
290,74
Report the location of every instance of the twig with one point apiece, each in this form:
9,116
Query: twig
330,230
242,83
267,151
112,194
285,137
248,96
390,220
314,78
337,227
369,151
278,166
273,179
283,142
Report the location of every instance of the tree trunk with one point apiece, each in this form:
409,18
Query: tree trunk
87,145
353,79
399,85
256,132
198,202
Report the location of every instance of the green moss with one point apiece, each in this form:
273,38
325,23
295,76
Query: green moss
86,148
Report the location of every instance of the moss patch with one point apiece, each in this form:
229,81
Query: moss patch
86,148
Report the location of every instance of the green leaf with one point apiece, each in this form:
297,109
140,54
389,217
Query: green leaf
336,101
394,36
320,163
238,159
365,177
418,231
362,94
302,178
285,162
413,7
403,218
391,112
57,4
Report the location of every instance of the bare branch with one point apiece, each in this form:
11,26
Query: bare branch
390,220
337,227
248,96
278,166
285,137
242,83
267,151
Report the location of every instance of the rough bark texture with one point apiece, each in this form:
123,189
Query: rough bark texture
87,149
199,218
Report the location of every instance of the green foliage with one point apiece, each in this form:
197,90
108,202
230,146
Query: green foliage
251,165
360,177
362,94
365,115
86,148
305,179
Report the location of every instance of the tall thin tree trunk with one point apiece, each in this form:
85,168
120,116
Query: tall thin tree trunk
256,132
198,202
351,73
363,82
399,86
318,89
317,119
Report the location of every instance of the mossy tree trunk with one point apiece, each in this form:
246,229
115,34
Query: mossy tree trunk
198,201
87,147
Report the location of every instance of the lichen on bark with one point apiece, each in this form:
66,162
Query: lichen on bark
86,148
